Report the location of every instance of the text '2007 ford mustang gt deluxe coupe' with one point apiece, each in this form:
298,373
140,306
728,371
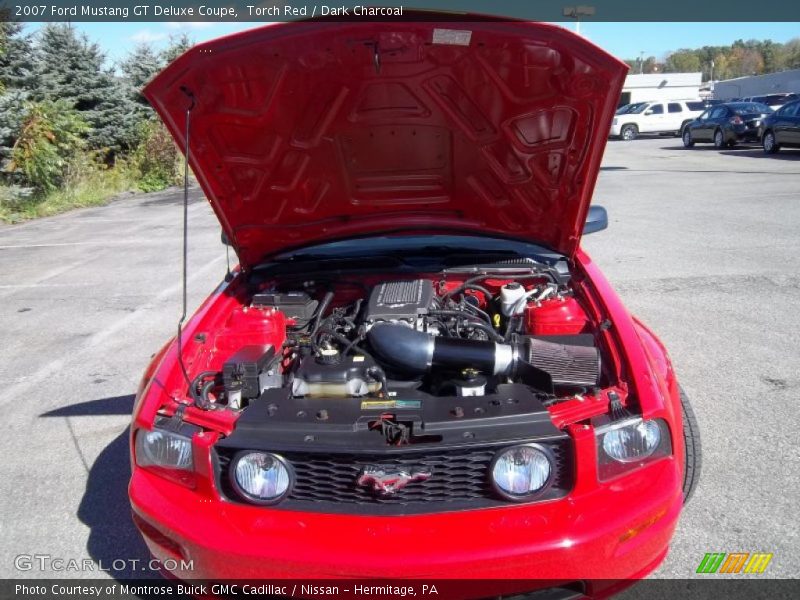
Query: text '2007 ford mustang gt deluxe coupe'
415,371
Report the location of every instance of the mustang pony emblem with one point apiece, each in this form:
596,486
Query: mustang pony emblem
386,481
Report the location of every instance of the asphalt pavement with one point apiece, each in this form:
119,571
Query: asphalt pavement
703,246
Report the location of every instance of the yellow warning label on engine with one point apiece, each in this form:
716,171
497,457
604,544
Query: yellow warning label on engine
389,404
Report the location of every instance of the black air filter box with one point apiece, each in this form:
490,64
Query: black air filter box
295,305
245,366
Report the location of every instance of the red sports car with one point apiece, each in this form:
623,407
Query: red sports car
415,371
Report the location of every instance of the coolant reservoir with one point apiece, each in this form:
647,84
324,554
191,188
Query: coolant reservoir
334,377
510,296
556,316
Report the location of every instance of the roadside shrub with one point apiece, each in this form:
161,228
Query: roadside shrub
156,157
87,181
49,138
12,197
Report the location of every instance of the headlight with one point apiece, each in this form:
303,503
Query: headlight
159,448
166,451
261,477
629,444
632,442
614,122
522,472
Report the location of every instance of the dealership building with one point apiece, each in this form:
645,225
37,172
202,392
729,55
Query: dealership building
758,85
661,86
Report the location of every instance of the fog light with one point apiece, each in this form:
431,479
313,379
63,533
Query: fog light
522,472
261,477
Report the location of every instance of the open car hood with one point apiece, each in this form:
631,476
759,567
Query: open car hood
312,131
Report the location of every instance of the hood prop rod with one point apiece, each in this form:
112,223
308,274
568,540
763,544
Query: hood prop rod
228,274
185,232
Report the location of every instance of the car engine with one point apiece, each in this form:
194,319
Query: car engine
420,338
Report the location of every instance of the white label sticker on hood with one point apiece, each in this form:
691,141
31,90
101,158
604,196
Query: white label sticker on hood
454,37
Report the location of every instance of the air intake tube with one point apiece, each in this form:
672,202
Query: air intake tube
415,352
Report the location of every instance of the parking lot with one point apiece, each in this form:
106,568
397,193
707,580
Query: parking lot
703,245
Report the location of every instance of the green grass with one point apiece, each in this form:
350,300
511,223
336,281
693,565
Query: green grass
95,188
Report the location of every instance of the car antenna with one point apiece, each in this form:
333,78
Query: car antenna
185,230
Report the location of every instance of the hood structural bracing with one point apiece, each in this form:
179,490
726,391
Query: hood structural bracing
312,131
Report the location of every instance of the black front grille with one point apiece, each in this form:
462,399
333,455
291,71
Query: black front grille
459,480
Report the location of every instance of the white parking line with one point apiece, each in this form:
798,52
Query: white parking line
46,371
58,245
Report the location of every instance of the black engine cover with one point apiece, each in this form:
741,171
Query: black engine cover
399,301
276,421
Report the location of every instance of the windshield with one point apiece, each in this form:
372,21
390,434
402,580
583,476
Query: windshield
779,99
432,246
623,110
751,108
638,108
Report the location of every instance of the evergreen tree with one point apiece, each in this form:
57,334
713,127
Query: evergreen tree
12,114
17,65
177,46
141,65
70,68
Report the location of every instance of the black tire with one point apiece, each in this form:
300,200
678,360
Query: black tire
688,142
770,145
629,132
719,140
694,450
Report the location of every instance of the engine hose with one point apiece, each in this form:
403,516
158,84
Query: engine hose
481,313
470,286
576,364
453,313
472,281
323,306
195,386
493,335
206,403
474,321
378,375
511,327
416,352
358,339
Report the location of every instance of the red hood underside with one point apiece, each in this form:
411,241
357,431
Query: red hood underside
312,131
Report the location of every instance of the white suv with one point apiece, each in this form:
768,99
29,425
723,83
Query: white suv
667,116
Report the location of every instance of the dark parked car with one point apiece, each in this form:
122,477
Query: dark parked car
781,128
726,124
775,101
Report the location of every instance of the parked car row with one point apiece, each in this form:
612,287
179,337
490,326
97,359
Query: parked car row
774,121
667,116
727,124
774,101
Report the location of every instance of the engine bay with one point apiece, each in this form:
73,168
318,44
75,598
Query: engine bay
429,358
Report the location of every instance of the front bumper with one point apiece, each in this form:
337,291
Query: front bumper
617,530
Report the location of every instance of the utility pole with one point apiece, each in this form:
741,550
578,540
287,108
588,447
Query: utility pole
576,12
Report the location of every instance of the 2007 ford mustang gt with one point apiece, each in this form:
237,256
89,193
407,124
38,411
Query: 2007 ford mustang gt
415,371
